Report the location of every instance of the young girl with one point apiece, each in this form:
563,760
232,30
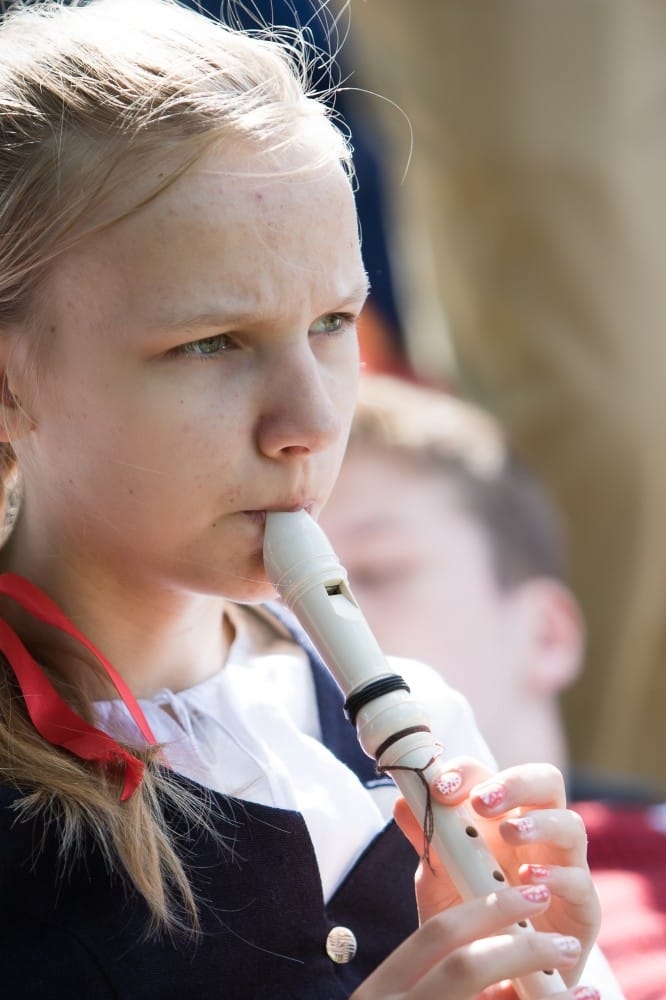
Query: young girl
184,810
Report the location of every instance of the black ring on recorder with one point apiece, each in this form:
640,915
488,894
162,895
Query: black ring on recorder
375,689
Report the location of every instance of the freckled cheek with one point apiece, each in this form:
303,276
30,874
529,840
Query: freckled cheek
232,493
204,446
202,469
159,448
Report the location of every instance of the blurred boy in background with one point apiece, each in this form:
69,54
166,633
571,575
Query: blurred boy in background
456,557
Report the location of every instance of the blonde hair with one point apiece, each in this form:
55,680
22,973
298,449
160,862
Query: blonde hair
464,447
89,95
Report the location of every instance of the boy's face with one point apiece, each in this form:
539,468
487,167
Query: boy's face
199,366
421,571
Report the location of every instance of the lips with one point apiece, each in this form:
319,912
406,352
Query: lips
255,515
260,515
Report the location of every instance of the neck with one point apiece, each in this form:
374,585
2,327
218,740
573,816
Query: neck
155,636
174,642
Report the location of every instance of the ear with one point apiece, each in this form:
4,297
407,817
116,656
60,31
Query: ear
15,421
556,634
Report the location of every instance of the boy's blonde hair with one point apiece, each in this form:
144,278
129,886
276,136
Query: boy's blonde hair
94,97
466,451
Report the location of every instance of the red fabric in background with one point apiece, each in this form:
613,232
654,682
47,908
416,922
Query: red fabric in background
627,855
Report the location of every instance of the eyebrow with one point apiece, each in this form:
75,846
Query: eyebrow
359,293
222,316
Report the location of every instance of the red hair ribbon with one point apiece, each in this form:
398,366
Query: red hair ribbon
50,714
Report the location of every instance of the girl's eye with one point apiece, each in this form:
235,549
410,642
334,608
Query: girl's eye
206,347
331,323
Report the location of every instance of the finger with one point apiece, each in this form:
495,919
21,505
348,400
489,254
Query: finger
434,889
537,786
456,779
451,785
562,831
447,931
574,885
413,830
506,991
474,967
574,899
409,824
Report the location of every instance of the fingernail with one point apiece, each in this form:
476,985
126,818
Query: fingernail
448,783
568,946
586,993
491,796
539,873
523,825
535,893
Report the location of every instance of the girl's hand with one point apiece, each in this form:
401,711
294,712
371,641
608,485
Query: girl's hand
537,841
462,951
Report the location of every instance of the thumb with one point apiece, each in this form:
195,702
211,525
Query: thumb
434,890
409,824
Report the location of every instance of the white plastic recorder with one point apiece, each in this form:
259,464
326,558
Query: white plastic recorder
391,725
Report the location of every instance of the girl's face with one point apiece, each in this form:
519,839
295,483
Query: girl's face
198,367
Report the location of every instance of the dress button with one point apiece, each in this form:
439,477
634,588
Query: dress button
341,945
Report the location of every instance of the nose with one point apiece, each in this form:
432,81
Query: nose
303,411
